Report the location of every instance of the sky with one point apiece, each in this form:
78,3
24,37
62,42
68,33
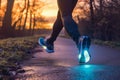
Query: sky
50,10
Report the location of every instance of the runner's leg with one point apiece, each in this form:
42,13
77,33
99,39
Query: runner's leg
66,8
57,27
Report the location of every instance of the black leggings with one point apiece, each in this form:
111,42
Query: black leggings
64,18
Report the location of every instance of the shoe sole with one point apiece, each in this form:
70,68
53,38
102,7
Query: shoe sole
85,46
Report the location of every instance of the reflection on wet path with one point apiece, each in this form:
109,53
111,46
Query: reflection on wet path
63,64
95,72
47,68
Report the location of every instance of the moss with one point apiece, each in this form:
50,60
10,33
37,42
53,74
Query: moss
14,50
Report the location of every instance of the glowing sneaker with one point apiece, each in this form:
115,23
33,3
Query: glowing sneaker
83,46
48,47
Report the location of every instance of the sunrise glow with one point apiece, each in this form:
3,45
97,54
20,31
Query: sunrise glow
47,9
50,10
49,13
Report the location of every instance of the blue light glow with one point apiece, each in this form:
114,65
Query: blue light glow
87,66
84,56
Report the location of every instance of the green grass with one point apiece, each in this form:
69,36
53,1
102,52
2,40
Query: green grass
14,50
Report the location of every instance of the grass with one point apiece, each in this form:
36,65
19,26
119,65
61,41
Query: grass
14,50
112,44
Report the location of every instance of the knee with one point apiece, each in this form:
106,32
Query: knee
67,18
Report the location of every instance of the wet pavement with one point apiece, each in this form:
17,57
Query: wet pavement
63,64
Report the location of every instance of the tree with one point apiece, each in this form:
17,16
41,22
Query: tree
107,17
7,20
26,16
20,18
92,16
0,4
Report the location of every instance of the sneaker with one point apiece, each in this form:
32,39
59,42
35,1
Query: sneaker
48,47
83,46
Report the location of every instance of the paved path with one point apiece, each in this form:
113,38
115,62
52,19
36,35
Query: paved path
63,64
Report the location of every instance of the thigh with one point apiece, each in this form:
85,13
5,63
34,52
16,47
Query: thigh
66,6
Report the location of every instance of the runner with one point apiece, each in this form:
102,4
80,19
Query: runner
64,19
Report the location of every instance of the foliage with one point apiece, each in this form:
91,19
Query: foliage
14,50
20,16
103,19
107,16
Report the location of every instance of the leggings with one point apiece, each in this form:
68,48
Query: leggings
64,19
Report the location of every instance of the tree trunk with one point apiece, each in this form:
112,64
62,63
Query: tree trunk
26,15
101,8
91,13
7,20
92,17
34,24
30,24
0,4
